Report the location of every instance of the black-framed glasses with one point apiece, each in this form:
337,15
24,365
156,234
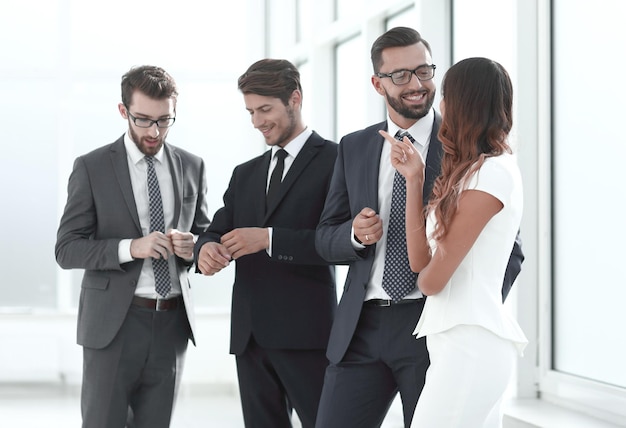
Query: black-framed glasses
144,122
402,77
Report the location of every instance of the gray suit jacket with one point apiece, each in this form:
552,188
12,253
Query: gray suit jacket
101,211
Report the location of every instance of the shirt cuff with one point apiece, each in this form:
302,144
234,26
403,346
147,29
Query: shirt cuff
270,230
356,244
123,251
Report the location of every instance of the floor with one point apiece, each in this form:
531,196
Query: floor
54,407
36,406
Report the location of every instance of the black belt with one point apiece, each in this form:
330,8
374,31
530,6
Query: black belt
158,304
387,302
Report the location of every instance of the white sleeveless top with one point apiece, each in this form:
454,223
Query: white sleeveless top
473,296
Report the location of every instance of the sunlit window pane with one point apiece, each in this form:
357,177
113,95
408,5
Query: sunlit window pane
350,103
588,162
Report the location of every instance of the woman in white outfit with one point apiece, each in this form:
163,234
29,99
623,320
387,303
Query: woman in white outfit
460,245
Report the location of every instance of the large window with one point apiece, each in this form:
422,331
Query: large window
588,158
588,150
350,61
60,79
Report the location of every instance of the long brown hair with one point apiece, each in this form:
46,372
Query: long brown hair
478,116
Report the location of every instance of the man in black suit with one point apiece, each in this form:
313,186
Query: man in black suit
372,351
134,328
284,294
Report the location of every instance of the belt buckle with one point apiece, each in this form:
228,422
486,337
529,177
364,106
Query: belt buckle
160,303
385,302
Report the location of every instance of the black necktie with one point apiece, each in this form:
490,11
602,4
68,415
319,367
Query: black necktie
276,178
398,280
163,284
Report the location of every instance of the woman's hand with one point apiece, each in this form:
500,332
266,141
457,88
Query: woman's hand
405,158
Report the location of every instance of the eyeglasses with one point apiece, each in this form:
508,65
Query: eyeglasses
402,77
143,122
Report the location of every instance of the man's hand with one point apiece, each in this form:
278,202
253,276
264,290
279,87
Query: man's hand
246,240
368,227
156,245
182,243
212,258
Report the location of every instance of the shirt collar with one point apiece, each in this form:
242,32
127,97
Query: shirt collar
135,154
294,146
421,130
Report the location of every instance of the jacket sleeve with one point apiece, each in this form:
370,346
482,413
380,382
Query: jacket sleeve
333,239
222,220
77,245
513,268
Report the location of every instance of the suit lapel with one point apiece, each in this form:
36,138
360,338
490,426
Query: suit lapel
372,154
176,168
306,154
433,159
260,175
119,161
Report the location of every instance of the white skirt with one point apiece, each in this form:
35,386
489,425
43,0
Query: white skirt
470,369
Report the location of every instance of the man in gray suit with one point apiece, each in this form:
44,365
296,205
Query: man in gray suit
133,209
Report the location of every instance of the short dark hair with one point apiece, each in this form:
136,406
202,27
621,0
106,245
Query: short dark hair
276,78
152,81
393,38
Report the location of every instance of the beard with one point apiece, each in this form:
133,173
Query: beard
142,146
288,133
411,112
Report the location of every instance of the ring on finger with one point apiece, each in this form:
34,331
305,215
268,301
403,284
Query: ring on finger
367,237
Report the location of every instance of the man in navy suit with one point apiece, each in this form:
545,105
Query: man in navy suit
284,294
373,354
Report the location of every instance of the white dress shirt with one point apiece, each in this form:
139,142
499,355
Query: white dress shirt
138,168
292,148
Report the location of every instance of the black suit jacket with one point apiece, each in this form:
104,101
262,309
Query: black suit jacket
355,186
286,301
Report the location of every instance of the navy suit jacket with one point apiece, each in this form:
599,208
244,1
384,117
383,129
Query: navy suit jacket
288,300
355,186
